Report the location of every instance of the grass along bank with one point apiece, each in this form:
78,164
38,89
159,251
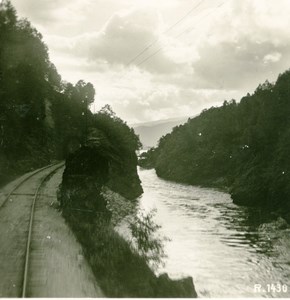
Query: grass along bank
119,270
92,211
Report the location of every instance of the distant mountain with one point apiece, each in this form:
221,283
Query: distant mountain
151,132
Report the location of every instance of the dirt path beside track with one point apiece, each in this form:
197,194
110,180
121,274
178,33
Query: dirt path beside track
57,267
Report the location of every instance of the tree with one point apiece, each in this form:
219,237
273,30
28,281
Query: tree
85,92
145,237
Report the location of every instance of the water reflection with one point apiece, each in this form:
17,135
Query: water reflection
223,246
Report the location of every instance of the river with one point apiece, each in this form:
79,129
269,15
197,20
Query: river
221,245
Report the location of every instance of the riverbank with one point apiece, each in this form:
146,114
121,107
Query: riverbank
241,145
250,196
92,210
224,247
120,271
241,198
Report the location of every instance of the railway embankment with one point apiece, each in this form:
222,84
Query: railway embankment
84,195
39,254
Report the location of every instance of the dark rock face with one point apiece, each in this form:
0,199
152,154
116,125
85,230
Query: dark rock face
91,167
181,288
245,198
88,161
85,173
123,177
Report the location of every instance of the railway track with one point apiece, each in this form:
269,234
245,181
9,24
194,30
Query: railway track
13,190
16,282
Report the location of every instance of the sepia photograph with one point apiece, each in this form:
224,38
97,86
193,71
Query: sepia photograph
145,149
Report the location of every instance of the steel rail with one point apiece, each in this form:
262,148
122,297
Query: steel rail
27,253
24,180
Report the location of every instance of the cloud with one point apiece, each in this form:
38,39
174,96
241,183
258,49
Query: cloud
45,11
225,53
211,64
243,47
67,18
234,65
150,103
272,58
122,38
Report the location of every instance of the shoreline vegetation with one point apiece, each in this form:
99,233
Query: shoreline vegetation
44,118
241,148
92,210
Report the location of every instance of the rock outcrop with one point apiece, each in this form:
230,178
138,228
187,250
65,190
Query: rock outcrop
91,173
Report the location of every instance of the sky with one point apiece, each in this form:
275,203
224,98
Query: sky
159,59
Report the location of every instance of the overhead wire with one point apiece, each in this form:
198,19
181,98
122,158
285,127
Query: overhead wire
180,34
189,29
164,32
167,30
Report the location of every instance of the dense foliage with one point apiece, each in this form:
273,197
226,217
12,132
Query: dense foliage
146,239
40,115
121,272
43,118
123,177
119,269
243,146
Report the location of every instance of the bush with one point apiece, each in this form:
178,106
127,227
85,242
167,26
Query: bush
147,241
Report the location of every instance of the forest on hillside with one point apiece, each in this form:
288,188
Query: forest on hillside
42,117
243,147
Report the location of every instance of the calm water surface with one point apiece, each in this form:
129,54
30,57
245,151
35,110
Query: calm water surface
219,244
